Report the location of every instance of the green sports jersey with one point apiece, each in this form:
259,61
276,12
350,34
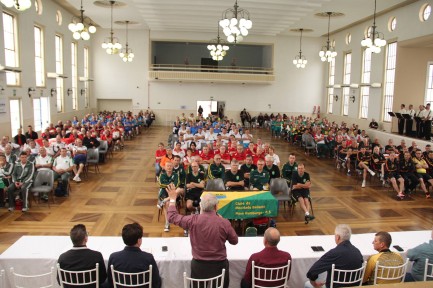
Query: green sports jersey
216,171
259,179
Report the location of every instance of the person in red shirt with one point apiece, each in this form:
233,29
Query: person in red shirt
239,154
250,149
259,155
232,148
161,152
225,156
206,156
194,151
258,144
270,257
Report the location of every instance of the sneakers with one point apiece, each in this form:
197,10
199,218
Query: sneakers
372,173
76,178
10,209
167,228
185,233
44,198
363,184
309,217
348,173
25,209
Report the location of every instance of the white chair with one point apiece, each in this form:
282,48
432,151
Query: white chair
276,277
215,282
351,277
390,274
78,278
44,280
2,279
132,279
428,271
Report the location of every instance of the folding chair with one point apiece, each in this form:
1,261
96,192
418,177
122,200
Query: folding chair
276,277
280,190
139,279
214,282
428,271
78,278
44,280
44,183
349,278
390,274
216,184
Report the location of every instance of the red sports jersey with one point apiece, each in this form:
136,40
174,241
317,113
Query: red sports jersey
239,156
257,157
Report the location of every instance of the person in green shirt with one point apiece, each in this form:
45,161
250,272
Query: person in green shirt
259,179
288,168
216,169
234,178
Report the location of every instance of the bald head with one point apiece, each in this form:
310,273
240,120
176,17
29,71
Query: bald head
271,237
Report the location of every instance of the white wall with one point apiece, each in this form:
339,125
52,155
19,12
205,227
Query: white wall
294,90
25,23
408,27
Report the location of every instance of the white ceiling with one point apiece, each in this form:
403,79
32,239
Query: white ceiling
269,17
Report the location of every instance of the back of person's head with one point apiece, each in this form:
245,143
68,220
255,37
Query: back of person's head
344,231
78,234
385,238
208,203
272,236
131,233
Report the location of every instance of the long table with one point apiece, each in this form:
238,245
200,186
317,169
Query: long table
245,204
36,254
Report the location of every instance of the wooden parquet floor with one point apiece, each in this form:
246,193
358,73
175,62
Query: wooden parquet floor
125,191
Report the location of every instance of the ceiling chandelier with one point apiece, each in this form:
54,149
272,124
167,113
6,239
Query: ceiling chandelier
20,5
217,48
126,53
300,61
235,29
111,44
328,51
374,39
81,26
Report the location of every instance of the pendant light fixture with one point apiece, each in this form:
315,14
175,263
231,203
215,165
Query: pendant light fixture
300,61
374,39
126,53
111,44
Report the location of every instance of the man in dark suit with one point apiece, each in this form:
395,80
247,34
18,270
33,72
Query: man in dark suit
30,134
269,257
81,258
131,259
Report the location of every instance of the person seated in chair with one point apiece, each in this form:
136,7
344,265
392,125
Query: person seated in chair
80,158
421,169
10,157
391,173
239,155
22,179
5,177
301,190
62,166
195,186
246,170
206,155
43,162
288,169
269,257
363,159
234,178
81,258
132,259
272,169
259,178
381,243
216,169
166,178
90,141
408,172
179,169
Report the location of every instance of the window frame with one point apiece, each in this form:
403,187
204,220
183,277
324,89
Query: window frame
365,78
16,76
347,71
39,59
74,74
388,96
60,95
331,82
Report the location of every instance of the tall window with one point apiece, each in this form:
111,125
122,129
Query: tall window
11,48
365,78
429,86
74,76
59,70
39,57
389,80
346,80
86,75
15,109
41,110
331,81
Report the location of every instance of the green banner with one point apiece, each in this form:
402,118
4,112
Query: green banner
246,205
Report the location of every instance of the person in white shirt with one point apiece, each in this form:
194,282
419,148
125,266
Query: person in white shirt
48,147
275,157
43,162
58,145
80,158
179,151
247,138
409,122
211,136
62,166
